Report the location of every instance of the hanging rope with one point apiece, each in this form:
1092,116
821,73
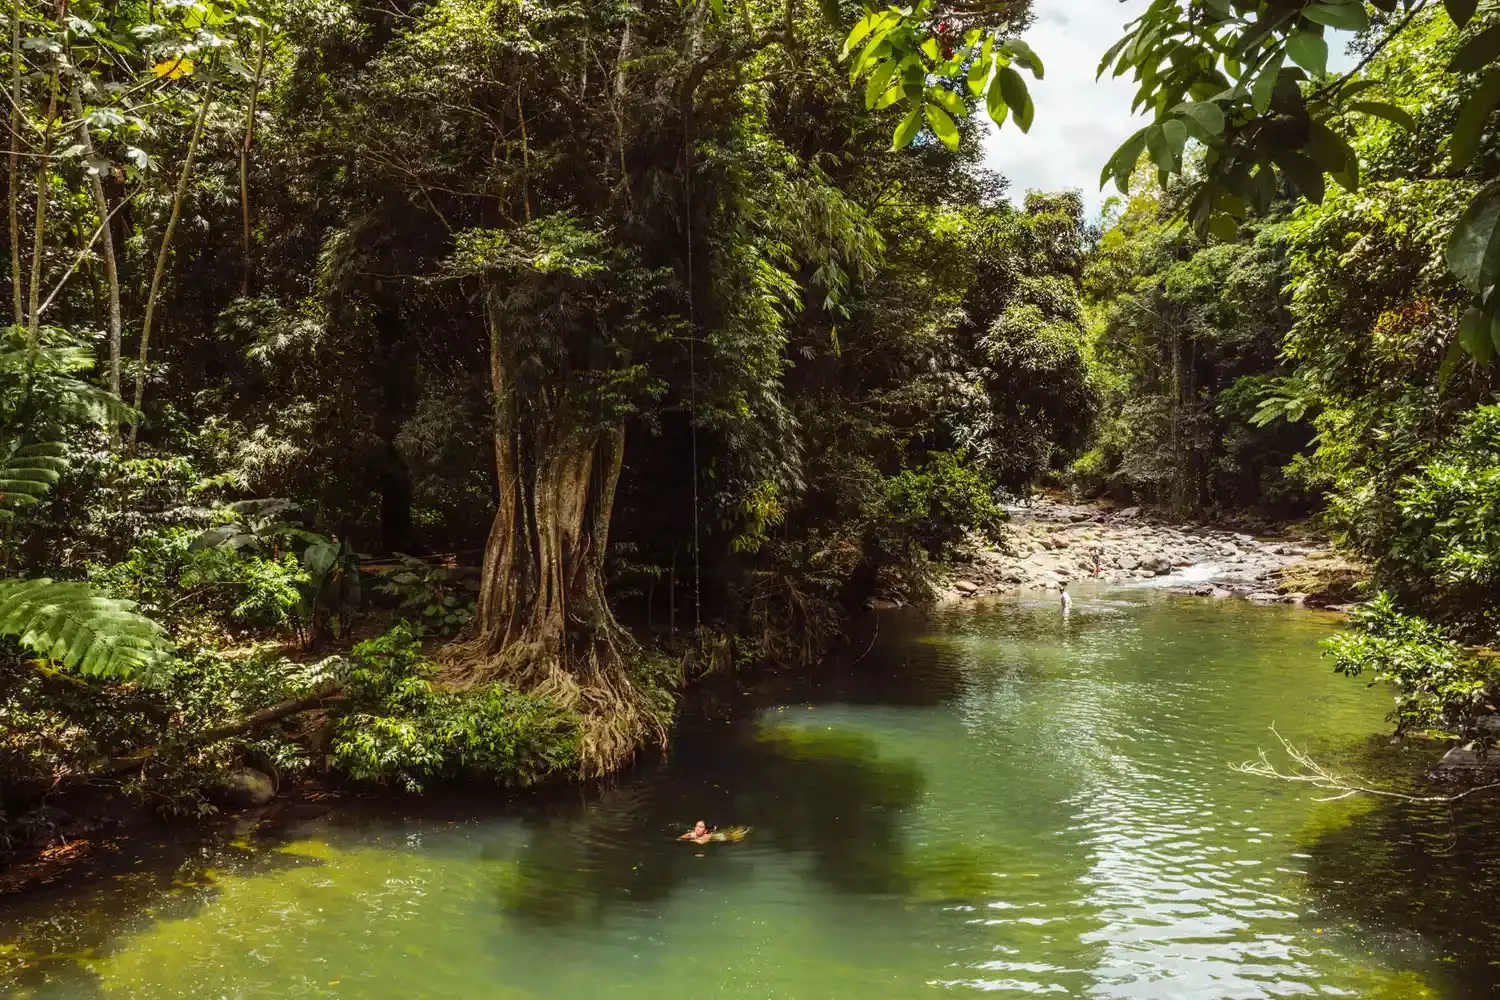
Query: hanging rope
687,197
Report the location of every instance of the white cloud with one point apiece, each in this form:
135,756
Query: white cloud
1079,122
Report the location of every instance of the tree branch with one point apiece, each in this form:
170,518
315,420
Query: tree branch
1310,772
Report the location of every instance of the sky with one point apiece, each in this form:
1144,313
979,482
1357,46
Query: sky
1078,123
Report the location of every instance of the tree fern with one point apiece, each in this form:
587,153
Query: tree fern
70,624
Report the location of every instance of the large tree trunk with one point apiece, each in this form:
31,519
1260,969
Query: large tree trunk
543,621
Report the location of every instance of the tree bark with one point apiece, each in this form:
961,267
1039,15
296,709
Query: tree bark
543,621
111,265
260,65
39,236
178,197
17,290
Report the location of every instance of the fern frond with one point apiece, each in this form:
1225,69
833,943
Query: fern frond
27,473
70,624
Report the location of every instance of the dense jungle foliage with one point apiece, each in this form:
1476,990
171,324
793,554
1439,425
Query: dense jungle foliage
426,391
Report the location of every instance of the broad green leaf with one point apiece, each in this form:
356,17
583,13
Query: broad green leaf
1474,248
1451,358
1109,55
1223,226
1013,88
994,101
1472,118
908,129
868,57
1478,52
1221,8
887,99
1474,334
1350,16
1160,149
1357,87
1264,86
930,49
948,101
861,28
879,81
1022,53
1264,180
1328,148
1305,175
1205,113
942,126
1461,10
1380,109
979,72
1309,51
1176,135
1122,163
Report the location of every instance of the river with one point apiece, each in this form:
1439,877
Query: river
996,798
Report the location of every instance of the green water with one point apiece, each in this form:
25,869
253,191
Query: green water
994,799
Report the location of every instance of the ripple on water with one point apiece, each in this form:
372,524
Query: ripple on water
999,799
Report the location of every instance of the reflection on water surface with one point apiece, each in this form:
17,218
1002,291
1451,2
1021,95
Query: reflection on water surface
997,799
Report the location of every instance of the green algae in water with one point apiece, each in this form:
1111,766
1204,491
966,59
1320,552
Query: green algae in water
1058,817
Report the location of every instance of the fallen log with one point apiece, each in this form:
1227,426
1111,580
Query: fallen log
255,720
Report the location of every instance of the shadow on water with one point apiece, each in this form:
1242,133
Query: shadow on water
826,795
1420,881
49,937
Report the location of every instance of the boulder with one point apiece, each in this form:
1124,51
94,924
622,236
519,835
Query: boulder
1129,512
1219,593
1264,597
245,788
965,586
1467,765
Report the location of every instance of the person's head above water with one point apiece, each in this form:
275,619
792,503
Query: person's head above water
700,829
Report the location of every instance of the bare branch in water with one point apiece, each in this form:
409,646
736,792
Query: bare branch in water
1310,772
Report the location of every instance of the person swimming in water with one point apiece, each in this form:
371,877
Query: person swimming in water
699,834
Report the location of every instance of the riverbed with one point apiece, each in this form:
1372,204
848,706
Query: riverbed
995,799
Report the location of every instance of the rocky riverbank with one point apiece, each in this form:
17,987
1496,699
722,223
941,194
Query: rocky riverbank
1049,544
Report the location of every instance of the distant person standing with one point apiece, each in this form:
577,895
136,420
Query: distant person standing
1097,552
1067,602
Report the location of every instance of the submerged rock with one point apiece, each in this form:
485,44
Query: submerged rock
244,788
1467,765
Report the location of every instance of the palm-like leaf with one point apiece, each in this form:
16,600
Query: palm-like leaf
71,624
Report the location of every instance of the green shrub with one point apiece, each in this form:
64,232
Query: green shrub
933,507
409,731
1439,683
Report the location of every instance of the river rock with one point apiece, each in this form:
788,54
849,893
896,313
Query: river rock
1467,765
1264,597
245,788
965,586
